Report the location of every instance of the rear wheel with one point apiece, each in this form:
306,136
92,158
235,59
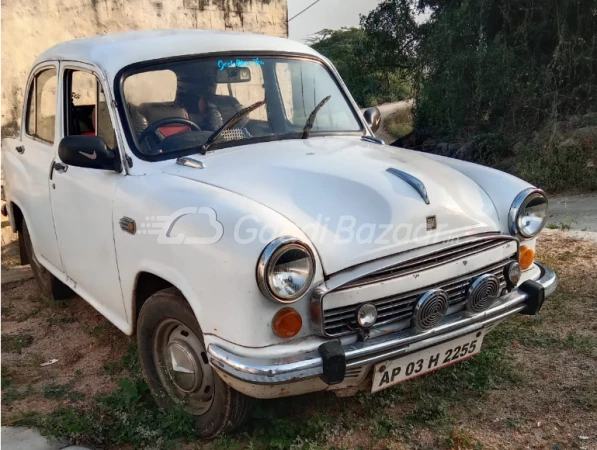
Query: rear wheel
49,285
176,368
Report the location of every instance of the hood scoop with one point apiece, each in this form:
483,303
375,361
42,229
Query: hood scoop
414,182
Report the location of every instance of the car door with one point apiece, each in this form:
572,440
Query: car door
39,143
82,197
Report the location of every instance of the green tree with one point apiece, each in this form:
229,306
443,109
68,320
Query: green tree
490,65
369,82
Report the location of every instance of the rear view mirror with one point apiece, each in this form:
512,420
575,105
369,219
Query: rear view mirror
373,118
87,151
234,75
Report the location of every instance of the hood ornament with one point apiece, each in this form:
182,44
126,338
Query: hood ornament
416,184
190,162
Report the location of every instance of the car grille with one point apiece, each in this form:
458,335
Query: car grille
451,253
338,321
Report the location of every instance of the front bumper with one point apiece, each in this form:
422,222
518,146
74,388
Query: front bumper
527,298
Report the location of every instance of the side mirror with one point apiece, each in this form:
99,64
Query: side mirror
373,118
87,151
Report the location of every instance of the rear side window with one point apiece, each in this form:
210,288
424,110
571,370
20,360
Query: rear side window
41,108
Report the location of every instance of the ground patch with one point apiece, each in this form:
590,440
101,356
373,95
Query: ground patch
532,386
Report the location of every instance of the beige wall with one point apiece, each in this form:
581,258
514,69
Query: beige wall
31,26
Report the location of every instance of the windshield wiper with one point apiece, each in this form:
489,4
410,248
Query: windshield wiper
312,117
229,124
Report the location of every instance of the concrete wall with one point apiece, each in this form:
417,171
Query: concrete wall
31,26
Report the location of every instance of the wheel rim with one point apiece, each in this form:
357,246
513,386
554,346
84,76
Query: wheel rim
183,367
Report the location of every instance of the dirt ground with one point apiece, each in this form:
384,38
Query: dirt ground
547,400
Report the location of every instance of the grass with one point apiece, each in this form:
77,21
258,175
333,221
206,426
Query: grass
550,161
461,439
126,416
129,416
98,330
15,343
10,395
48,302
445,405
564,226
399,123
62,391
582,345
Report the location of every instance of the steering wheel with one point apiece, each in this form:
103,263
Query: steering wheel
153,128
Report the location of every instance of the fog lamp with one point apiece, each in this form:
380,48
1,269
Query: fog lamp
512,273
527,257
287,323
367,315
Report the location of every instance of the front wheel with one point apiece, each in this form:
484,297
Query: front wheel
176,368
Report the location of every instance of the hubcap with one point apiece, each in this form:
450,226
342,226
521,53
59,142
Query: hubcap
183,367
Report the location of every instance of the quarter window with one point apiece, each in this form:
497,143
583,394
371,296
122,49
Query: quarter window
302,86
87,112
41,110
31,110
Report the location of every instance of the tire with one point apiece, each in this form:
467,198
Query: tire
48,284
167,333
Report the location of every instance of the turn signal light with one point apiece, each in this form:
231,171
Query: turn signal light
287,323
526,258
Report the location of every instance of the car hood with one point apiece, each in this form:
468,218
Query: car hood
340,193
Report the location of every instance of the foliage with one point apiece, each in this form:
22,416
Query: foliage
370,82
492,65
497,73
393,34
399,123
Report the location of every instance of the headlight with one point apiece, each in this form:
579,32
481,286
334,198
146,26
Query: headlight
528,213
285,270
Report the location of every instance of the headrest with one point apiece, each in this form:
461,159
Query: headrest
228,106
158,111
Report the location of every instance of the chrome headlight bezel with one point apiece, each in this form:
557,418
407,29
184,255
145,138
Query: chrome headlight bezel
518,206
270,255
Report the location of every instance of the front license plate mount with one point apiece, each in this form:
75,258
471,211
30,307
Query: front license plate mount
394,371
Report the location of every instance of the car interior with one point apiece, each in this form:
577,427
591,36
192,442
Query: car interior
180,105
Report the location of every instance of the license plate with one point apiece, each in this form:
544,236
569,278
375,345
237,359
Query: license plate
394,371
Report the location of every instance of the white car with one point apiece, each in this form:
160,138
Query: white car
221,196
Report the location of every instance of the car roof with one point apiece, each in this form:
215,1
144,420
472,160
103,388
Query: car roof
112,52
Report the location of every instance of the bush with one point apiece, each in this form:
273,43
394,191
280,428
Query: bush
485,67
399,124
369,82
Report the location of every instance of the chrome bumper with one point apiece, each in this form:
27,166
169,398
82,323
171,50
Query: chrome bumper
310,365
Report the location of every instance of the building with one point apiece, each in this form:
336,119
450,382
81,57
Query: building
31,26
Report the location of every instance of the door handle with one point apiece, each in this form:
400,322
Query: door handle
59,167
20,149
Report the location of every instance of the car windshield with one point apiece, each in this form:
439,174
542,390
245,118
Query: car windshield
179,106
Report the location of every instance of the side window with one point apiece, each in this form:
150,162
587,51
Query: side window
87,112
41,108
